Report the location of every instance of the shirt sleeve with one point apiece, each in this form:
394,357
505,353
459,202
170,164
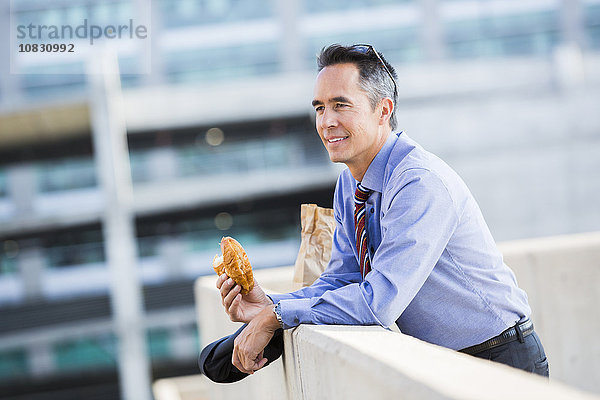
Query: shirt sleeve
418,218
342,270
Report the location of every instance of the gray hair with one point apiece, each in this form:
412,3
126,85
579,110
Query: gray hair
374,79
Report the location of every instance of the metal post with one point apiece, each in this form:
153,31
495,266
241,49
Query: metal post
431,33
112,162
31,267
10,92
571,16
22,187
291,48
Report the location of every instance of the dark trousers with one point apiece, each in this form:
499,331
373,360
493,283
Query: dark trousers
528,355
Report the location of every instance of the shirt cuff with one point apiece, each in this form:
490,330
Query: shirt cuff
295,312
276,298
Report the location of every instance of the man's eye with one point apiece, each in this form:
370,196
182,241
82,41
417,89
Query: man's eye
340,105
319,108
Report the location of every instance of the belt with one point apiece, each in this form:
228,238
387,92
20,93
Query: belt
519,331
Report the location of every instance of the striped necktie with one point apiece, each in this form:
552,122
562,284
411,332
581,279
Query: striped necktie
360,197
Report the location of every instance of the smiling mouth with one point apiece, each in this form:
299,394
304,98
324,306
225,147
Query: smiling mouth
336,139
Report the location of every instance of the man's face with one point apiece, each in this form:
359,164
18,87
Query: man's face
349,128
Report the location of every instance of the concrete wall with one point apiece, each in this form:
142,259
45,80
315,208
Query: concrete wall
561,276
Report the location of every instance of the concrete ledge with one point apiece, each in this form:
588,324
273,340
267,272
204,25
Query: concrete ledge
553,244
193,387
352,362
358,362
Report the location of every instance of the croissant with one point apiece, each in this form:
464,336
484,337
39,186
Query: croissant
235,263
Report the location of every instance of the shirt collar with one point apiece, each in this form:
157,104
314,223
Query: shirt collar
373,178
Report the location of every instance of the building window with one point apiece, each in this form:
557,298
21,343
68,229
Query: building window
86,353
399,45
247,156
47,81
158,343
592,25
314,7
506,35
201,65
13,363
178,13
74,248
204,234
3,184
8,263
66,174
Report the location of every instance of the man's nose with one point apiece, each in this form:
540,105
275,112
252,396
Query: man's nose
328,119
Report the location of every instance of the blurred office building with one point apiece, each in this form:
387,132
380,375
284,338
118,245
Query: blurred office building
221,142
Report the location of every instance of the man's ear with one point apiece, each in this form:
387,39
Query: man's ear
386,109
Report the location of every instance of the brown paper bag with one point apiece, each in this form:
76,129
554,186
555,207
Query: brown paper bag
318,225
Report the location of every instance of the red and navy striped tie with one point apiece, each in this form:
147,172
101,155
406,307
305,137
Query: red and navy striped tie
360,197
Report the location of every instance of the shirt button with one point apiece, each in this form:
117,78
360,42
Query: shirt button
372,210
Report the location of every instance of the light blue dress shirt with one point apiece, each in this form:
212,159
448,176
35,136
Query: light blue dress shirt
436,270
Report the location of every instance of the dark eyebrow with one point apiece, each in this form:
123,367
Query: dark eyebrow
341,99
337,99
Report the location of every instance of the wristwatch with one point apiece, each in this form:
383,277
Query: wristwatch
277,312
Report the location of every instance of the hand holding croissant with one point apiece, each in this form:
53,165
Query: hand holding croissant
235,263
241,295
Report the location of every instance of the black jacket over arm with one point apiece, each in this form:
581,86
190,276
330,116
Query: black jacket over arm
215,359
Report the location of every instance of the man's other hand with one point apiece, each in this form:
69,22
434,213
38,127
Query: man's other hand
248,348
241,308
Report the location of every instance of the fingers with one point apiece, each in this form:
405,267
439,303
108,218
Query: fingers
222,278
226,287
234,311
247,366
243,366
237,363
233,307
235,360
261,363
231,298
249,345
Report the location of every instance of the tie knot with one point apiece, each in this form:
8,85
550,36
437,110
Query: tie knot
362,194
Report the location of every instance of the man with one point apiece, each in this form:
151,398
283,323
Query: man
410,247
